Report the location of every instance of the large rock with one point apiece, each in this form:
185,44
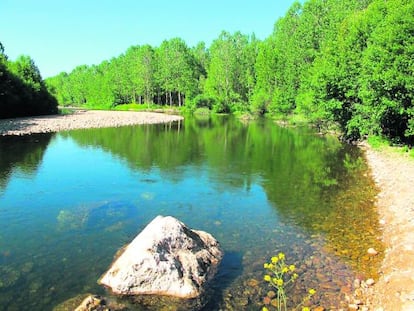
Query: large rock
166,258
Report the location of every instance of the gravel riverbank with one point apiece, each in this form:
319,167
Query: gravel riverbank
79,120
394,175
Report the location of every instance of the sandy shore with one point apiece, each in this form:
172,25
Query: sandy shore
81,119
394,175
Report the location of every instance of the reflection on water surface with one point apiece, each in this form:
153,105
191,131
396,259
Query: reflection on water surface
69,201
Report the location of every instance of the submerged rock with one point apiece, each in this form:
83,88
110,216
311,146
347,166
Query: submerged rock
166,258
92,303
89,302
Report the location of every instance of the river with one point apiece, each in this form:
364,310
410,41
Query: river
70,200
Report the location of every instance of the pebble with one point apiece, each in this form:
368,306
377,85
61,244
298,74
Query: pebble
81,119
353,307
370,282
267,300
358,302
372,251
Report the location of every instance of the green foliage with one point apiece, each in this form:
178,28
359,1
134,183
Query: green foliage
346,64
22,89
362,78
231,74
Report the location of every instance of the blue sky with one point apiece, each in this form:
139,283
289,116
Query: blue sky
62,34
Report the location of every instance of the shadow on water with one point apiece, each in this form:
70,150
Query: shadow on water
24,153
229,270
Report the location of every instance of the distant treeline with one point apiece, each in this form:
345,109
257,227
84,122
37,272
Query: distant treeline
346,63
22,90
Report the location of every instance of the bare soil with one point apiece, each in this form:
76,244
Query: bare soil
81,119
394,175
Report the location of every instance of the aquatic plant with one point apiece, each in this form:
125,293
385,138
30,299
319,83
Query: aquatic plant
280,275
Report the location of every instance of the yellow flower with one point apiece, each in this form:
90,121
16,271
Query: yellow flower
265,265
267,278
304,309
312,291
295,276
285,269
292,268
270,266
275,259
281,256
279,282
265,309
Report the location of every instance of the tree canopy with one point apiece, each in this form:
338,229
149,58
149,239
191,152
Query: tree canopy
338,63
22,89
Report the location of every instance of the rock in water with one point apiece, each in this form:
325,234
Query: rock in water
166,258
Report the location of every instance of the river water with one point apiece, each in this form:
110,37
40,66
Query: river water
70,200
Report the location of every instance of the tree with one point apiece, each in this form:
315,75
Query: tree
230,72
386,79
175,72
22,90
141,62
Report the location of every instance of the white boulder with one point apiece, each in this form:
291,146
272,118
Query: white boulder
166,258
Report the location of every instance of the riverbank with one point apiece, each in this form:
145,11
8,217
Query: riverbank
81,119
394,175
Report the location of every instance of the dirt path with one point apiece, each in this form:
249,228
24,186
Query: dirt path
394,174
81,119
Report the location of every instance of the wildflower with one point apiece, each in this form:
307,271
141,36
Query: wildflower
267,278
281,256
279,282
312,291
303,309
295,276
265,309
285,269
292,268
275,259
265,265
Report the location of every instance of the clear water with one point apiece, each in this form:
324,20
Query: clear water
69,201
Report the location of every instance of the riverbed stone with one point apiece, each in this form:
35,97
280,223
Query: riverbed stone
166,258
372,251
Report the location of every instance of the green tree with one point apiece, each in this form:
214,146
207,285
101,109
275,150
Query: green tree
386,79
22,89
175,71
141,70
231,70
201,56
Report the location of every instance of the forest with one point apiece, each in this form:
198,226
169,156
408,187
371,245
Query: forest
346,65
22,89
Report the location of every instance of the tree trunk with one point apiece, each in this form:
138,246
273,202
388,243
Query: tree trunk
179,99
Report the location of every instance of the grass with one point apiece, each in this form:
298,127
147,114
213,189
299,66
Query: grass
65,111
148,107
380,143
